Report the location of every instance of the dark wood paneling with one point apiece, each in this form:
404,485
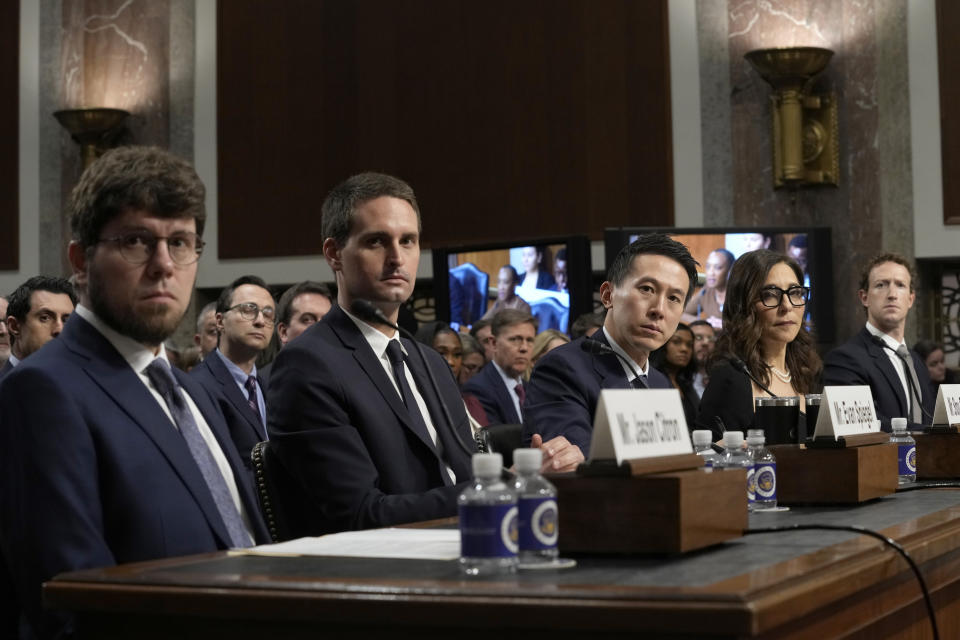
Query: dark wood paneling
544,117
948,23
9,128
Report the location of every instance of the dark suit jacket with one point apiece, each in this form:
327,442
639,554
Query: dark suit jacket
92,472
862,361
565,387
5,369
340,427
488,388
728,396
245,427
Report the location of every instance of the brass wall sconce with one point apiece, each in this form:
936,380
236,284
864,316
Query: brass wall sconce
805,131
92,129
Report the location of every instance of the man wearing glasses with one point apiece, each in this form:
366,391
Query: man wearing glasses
878,355
245,318
109,456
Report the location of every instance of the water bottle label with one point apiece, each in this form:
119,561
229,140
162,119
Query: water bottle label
539,526
766,481
751,485
488,531
907,454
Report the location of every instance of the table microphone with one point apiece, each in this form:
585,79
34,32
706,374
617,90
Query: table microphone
880,342
596,347
367,311
741,366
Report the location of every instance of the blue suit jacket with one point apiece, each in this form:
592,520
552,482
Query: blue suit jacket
565,387
244,425
862,361
340,427
487,386
92,472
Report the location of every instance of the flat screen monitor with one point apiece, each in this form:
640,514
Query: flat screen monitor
551,276
810,246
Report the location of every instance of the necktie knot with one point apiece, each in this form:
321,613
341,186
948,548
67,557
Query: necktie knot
640,382
159,374
251,386
395,352
903,352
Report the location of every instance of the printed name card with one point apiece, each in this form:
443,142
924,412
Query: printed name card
851,412
639,423
948,405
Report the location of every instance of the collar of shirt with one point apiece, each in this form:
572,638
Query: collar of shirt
375,338
137,355
239,375
891,342
507,380
644,370
13,360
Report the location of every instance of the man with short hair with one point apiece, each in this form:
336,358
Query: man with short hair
245,318
704,341
207,335
107,456
878,356
507,297
36,315
4,334
587,324
483,332
560,270
353,417
300,307
499,385
647,286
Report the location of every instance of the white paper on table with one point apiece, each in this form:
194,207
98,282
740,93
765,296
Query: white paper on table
417,544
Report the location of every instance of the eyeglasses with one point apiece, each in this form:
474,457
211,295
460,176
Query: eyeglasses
771,297
250,311
138,247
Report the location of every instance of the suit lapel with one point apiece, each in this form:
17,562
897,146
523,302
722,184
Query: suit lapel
503,394
882,362
233,394
608,366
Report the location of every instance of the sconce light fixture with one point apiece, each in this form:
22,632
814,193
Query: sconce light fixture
91,129
805,133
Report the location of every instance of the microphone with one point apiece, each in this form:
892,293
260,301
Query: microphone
741,366
595,347
367,311
880,342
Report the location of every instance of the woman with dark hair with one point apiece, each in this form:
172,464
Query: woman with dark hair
675,360
932,354
446,342
536,269
763,329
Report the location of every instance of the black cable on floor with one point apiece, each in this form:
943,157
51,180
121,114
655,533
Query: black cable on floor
937,484
879,536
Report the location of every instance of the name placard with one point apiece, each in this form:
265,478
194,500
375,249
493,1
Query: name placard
639,423
947,410
850,412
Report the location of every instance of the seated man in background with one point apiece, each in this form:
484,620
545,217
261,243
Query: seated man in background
704,342
648,284
36,315
4,335
499,385
300,307
207,335
586,324
483,332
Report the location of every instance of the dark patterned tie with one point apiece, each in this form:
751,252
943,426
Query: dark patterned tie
640,382
169,389
916,414
251,387
521,393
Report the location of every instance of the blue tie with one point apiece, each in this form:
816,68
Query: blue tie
166,385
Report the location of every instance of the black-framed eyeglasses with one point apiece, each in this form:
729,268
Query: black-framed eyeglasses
138,247
771,296
250,311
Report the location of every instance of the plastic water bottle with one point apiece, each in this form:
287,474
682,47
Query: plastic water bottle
488,520
764,472
702,439
906,451
538,520
734,457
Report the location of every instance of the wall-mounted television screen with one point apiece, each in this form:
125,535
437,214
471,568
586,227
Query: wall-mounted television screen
809,246
550,277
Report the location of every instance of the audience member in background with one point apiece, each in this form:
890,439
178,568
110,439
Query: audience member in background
207,335
36,315
708,303
763,327
499,385
878,356
932,354
546,341
536,269
507,297
473,359
189,359
245,319
676,360
587,324
560,270
4,334
483,332
704,340
755,241
300,306
797,249
446,342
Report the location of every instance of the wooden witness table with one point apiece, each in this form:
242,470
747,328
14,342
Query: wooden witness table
801,584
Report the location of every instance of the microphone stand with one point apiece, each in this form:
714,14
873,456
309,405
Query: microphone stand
741,366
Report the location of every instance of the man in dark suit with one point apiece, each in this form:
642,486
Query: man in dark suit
499,385
36,315
245,317
108,456
4,335
647,286
301,306
878,356
352,415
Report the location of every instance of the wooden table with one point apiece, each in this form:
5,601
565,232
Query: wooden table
808,584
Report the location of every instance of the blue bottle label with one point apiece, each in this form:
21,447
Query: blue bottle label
751,485
488,531
907,455
766,481
539,523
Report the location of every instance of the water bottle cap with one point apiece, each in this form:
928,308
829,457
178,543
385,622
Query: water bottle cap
487,464
527,460
899,424
755,440
702,436
752,433
733,439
